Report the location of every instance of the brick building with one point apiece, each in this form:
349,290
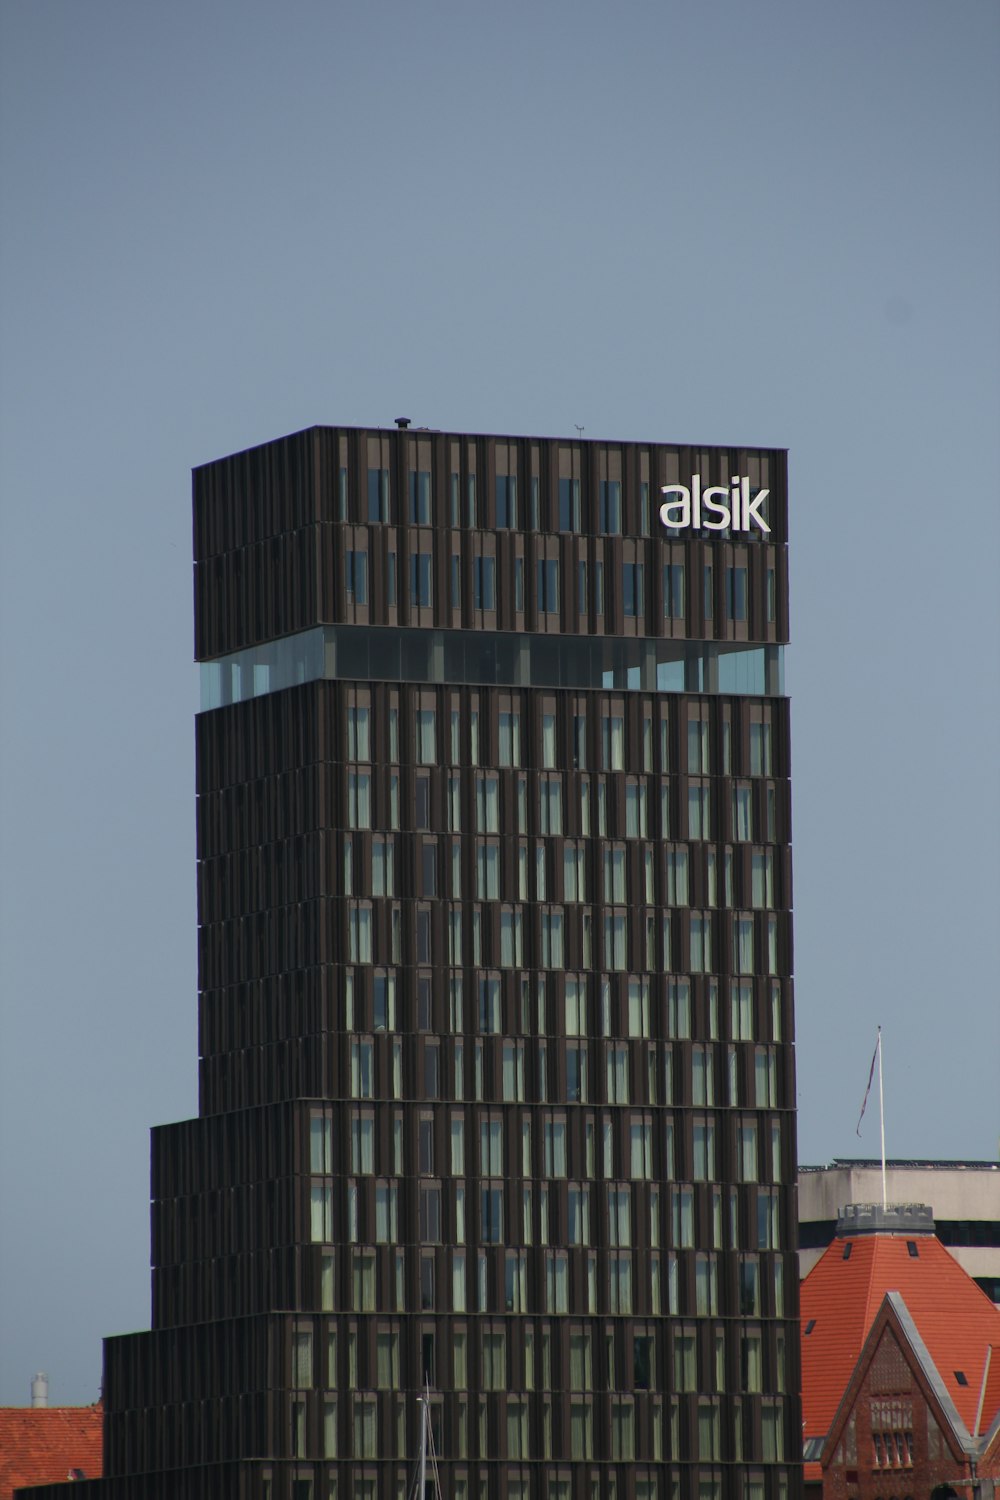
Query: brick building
900,1366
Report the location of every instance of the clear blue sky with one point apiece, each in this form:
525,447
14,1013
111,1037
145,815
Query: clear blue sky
770,223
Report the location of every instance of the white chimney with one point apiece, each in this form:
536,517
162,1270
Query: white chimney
40,1390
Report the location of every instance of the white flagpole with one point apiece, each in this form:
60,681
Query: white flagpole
881,1112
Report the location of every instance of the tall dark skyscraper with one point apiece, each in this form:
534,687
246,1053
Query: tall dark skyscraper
496,1028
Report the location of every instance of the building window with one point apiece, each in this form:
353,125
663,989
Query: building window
378,495
556,1281
358,733
612,742
509,736
636,820
610,496
678,1008
760,749
641,1147
674,591
386,1213
743,944
550,804
701,943
491,1221
736,593
488,804
356,577
484,583
494,1361
507,500
554,1141
420,498
569,505
420,580
699,810
547,576
384,995
703,1143
633,590
551,935
359,931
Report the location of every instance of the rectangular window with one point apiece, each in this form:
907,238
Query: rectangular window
509,739
742,811
699,810
385,1001
674,591
616,940
378,495
420,498
547,576
488,804
574,872
620,1282
507,500
736,593
489,1004
356,577
550,805
612,742
569,505
677,876
701,943
636,820
487,871
760,750
386,1213
420,580
633,590
492,1215
610,506
484,583
358,733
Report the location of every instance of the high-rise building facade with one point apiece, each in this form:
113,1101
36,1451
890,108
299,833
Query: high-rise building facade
496,1027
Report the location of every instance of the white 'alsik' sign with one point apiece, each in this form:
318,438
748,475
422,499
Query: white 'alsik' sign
733,509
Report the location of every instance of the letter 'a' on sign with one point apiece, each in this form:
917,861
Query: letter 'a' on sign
676,512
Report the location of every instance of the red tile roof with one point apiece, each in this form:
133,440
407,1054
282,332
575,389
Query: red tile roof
955,1319
41,1444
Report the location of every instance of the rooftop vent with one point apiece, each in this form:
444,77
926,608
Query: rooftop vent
40,1390
402,423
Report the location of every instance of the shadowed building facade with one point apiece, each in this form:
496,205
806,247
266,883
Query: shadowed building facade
496,1028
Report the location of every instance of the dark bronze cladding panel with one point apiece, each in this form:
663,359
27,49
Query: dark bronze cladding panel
276,528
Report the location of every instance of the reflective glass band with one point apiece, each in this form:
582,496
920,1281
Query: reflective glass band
381,654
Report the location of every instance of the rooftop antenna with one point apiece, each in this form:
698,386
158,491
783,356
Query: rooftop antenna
578,428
